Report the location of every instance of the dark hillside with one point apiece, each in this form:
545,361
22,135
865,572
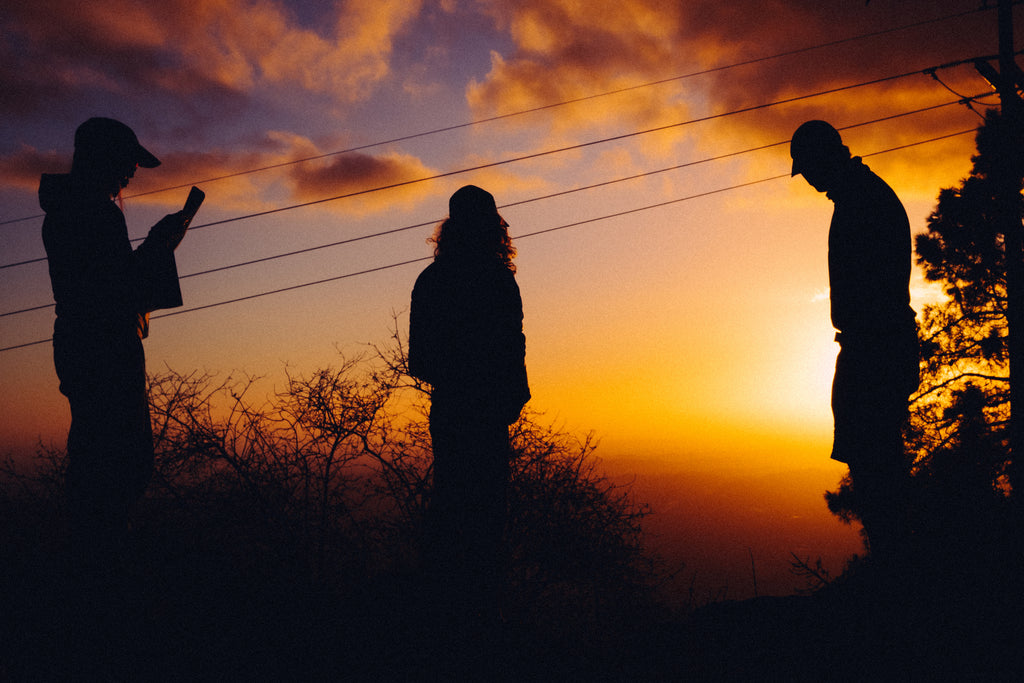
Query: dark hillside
190,603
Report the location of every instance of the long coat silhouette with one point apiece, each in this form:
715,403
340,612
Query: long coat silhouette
466,340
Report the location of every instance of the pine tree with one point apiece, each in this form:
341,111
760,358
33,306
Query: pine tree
957,435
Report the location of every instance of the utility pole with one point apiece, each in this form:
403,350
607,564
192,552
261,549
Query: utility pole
1010,171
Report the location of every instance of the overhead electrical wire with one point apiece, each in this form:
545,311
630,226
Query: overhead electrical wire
530,200
930,72
606,93
517,237
617,91
559,150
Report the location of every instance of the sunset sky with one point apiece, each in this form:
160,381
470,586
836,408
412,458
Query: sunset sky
679,309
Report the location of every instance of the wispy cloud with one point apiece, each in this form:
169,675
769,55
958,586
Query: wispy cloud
565,49
64,48
229,174
353,173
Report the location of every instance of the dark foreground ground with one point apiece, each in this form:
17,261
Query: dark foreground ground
185,614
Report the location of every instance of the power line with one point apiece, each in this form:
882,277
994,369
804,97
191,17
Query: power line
553,105
518,237
525,201
287,289
617,91
559,150
725,189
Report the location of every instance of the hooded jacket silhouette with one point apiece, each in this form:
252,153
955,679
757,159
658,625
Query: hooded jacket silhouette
100,284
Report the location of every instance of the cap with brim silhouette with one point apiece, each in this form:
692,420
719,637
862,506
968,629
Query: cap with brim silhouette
101,135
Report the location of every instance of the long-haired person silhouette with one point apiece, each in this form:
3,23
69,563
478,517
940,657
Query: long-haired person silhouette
869,258
466,340
104,292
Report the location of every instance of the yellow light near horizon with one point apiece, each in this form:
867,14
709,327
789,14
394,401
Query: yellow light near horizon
772,407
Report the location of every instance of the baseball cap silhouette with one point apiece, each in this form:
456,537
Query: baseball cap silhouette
813,139
100,135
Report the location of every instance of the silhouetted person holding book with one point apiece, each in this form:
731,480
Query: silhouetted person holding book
104,291
466,340
869,260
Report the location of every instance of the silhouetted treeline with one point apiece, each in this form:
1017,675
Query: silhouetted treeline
304,510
